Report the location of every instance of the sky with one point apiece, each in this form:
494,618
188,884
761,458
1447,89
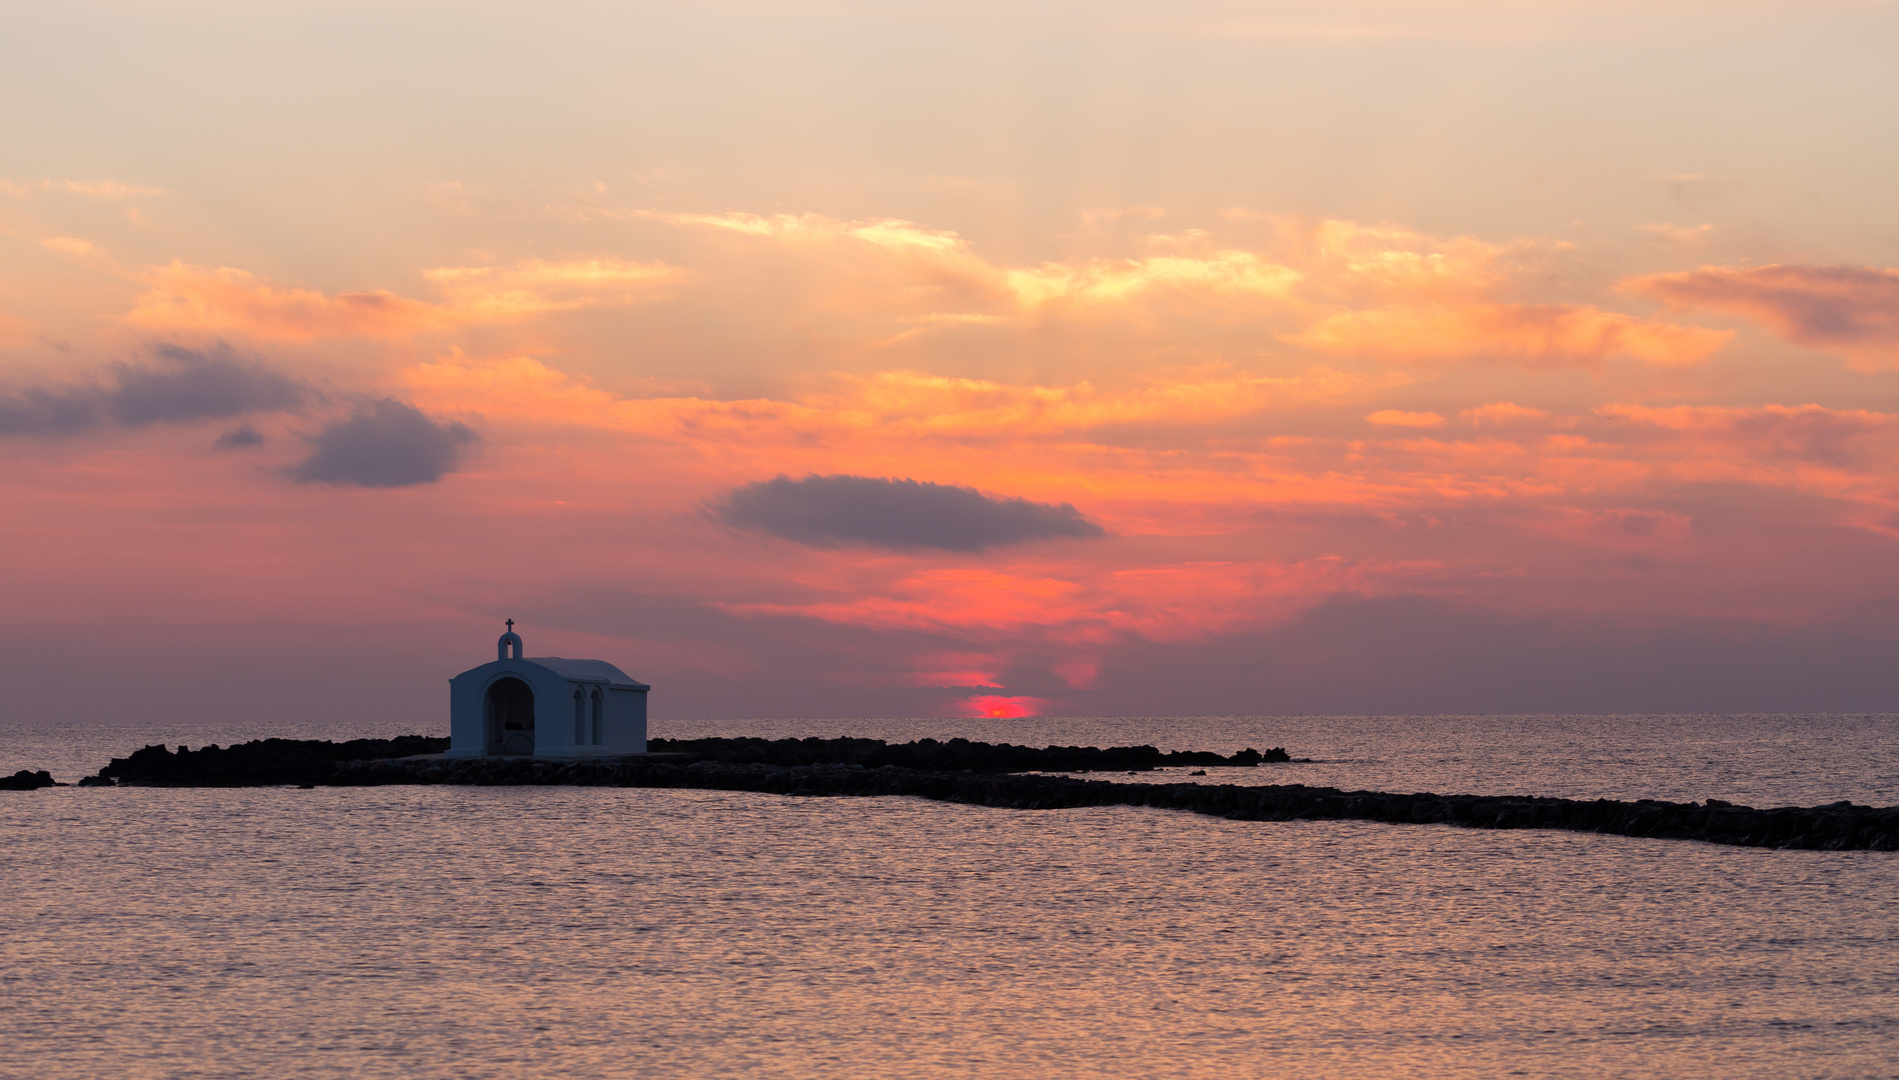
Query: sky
850,360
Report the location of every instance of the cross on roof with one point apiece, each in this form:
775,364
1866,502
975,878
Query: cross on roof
510,626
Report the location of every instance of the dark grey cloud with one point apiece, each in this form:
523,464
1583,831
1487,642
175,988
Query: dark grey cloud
385,443
241,437
49,412
380,444
826,511
192,384
179,386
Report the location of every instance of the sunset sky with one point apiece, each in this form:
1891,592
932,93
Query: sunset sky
908,359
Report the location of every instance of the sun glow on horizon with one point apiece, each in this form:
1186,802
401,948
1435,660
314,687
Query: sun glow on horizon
997,707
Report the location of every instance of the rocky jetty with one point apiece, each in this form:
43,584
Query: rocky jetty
269,762
1839,826
987,777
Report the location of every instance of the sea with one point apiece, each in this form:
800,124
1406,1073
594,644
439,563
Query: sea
600,932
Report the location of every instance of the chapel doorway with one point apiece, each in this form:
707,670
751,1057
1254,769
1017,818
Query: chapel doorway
510,716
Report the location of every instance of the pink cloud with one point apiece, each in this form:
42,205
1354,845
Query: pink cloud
1802,432
1853,311
1626,529
955,669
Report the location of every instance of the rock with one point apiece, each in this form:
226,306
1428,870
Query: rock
27,781
261,763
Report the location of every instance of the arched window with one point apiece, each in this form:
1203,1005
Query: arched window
599,716
580,719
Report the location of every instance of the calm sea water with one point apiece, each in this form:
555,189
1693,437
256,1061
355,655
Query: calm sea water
467,932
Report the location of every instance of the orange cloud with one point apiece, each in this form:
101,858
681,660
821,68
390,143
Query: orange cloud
1376,293
1501,412
1028,440
1224,273
183,298
1055,442
1852,311
496,294
889,404
1398,418
91,189
1186,450
70,246
1677,235
1549,334
1391,294
1361,262
948,258
202,300
109,189
1067,443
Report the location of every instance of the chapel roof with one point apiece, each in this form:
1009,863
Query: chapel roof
586,671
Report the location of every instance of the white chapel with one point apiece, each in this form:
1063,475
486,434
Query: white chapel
544,706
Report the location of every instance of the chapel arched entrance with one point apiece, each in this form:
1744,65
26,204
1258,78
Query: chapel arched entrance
509,712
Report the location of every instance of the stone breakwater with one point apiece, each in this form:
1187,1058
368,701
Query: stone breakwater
1838,827
312,761
794,767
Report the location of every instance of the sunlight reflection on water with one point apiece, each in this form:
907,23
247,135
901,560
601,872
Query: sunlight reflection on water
569,932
